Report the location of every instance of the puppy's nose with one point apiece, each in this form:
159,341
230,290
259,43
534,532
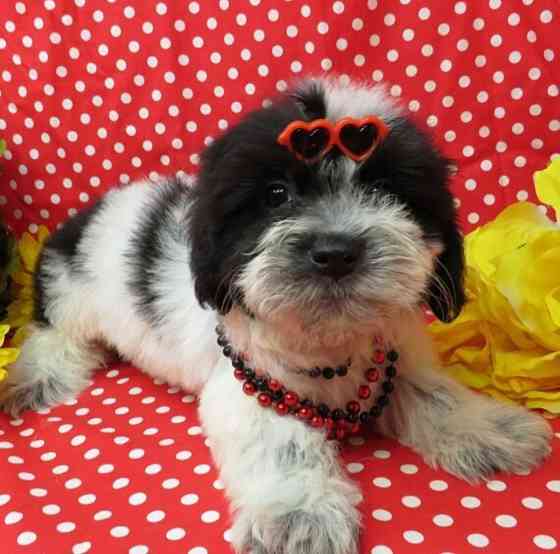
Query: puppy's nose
335,255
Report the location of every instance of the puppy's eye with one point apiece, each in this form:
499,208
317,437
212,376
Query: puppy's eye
380,185
276,195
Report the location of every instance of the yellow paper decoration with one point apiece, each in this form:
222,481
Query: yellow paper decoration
506,341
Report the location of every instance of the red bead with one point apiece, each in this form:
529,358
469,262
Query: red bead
355,428
340,433
249,388
281,408
291,399
372,375
353,407
317,422
329,423
239,374
364,392
274,385
264,400
379,356
304,413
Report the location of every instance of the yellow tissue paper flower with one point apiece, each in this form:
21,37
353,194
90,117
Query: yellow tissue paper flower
506,341
20,310
7,355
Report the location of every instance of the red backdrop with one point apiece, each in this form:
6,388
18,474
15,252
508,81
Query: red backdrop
98,92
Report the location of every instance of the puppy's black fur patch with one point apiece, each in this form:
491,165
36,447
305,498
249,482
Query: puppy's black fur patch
148,247
63,241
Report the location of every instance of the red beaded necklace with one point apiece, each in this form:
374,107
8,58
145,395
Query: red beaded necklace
337,422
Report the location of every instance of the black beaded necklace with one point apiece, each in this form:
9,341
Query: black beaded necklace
337,422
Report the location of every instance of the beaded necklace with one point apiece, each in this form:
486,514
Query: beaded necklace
338,422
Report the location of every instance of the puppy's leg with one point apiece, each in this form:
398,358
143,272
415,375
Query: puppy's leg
287,489
51,368
467,434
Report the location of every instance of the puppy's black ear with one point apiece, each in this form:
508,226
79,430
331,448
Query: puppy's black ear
446,293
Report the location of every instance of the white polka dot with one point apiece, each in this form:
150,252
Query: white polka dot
121,482
13,517
392,55
553,486
382,454
546,16
411,501
66,527
73,483
4,499
443,520
86,499
183,455
382,482
546,542
26,538
424,13
137,498
120,531
202,469
478,539
175,534
506,521
210,516
413,537
200,549
136,453
495,485
81,547
381,549
355,468
189,499
102,515
382,515
139,549
170,483
470,502
155,516
51,509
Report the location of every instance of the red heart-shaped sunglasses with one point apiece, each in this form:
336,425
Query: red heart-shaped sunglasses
356,138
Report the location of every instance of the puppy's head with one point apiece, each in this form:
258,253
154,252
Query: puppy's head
329,240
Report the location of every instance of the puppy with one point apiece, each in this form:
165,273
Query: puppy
310,241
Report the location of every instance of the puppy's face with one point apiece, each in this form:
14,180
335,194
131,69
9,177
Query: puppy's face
329,240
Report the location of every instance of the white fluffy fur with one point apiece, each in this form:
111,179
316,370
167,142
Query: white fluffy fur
288,492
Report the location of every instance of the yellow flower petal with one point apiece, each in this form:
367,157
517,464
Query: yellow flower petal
547,186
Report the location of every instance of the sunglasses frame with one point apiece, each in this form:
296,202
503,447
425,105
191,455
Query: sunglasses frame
284,138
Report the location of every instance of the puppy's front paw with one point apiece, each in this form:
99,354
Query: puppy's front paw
299,532
496,438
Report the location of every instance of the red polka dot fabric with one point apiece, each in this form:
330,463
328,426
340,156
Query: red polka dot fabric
126,469
99,92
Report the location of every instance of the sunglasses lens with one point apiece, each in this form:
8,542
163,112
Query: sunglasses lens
358,140
309,144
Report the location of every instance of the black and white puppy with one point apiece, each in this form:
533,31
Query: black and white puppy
152,269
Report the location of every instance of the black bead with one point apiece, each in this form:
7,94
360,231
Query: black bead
315,372
249,373
392,356
352,418
222,341
261,384
328,373
337,414
375,411
306,402
228,351
342,371
388,387
383,400
364,417
277,395
390,371
323,410
238,363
